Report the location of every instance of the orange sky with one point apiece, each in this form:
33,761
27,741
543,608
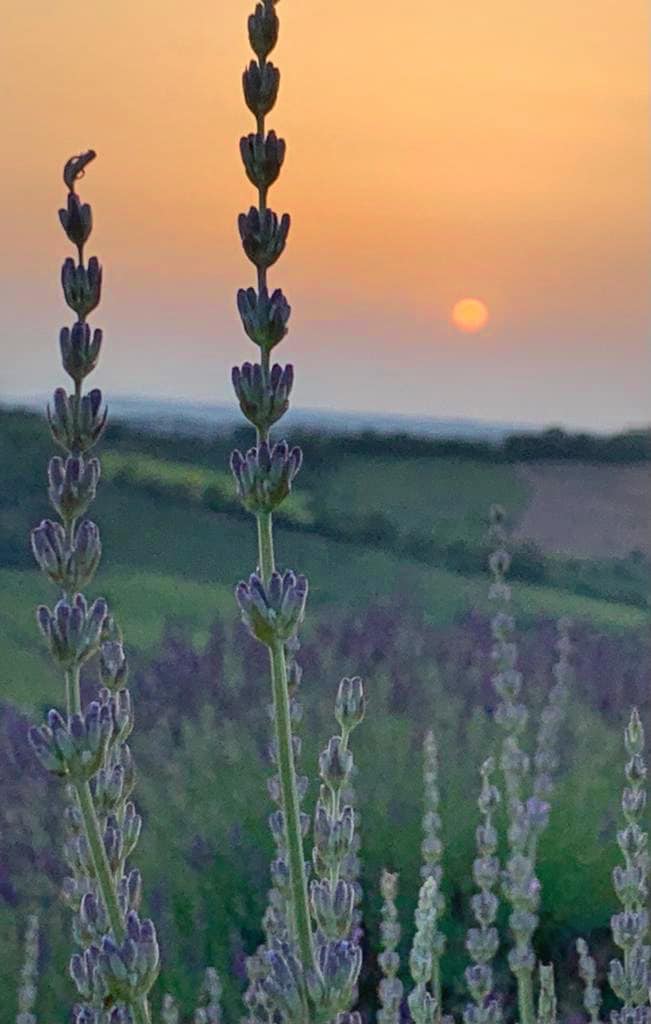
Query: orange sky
488,148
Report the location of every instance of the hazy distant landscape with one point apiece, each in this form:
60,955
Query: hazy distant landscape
204,418
403,516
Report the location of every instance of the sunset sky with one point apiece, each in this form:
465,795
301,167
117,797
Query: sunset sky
482,148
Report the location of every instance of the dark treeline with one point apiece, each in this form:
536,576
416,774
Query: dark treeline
553,443
624,580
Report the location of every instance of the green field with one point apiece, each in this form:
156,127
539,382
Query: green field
176,542
379,533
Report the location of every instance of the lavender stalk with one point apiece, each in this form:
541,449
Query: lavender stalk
390,989
209,1010
27,990
272,604
547,996
520,885
88,747
334,892
422,1004
630,977
588,973
432,851
482,943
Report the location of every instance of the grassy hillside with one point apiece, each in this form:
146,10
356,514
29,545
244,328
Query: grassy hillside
393,542
396,526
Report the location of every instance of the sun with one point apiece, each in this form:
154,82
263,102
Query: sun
469,315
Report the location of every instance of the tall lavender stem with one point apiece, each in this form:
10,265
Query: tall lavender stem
265,473
88,747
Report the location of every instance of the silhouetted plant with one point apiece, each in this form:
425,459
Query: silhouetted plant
308,967
87,746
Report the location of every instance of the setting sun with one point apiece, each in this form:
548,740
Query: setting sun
469,315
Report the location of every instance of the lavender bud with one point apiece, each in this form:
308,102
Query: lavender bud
521,959
126,760
350,703
128,971
264,476
422,1006
113,843
49,549
633,803
339,964
72,485
630,884
335,764
631,840
92,919
263,29
479,979
484,907
499,562
333,909
130,891
76,168
636,770
82,286
81,974
72,630
277,826
263,400
273,613
280,875
629,928
262,157
131,828
634,735
76,426
333,838
282,983
263,235
82,1013
86,554
107,788
537,812
264,317
79,350
486,871
482,945
260,84
121,711
76,220
76,749
113,665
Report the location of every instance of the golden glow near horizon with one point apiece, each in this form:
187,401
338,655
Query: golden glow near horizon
469,315
494,149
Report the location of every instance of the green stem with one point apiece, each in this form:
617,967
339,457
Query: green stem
286,767
66,676
100,860
73,689
436,986
140,1008
336,804
525,998
266,545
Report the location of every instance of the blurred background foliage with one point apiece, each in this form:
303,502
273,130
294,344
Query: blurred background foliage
392,533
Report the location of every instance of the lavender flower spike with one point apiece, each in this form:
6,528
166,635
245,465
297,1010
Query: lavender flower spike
273,613
118,961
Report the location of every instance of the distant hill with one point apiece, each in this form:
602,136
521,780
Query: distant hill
185,416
